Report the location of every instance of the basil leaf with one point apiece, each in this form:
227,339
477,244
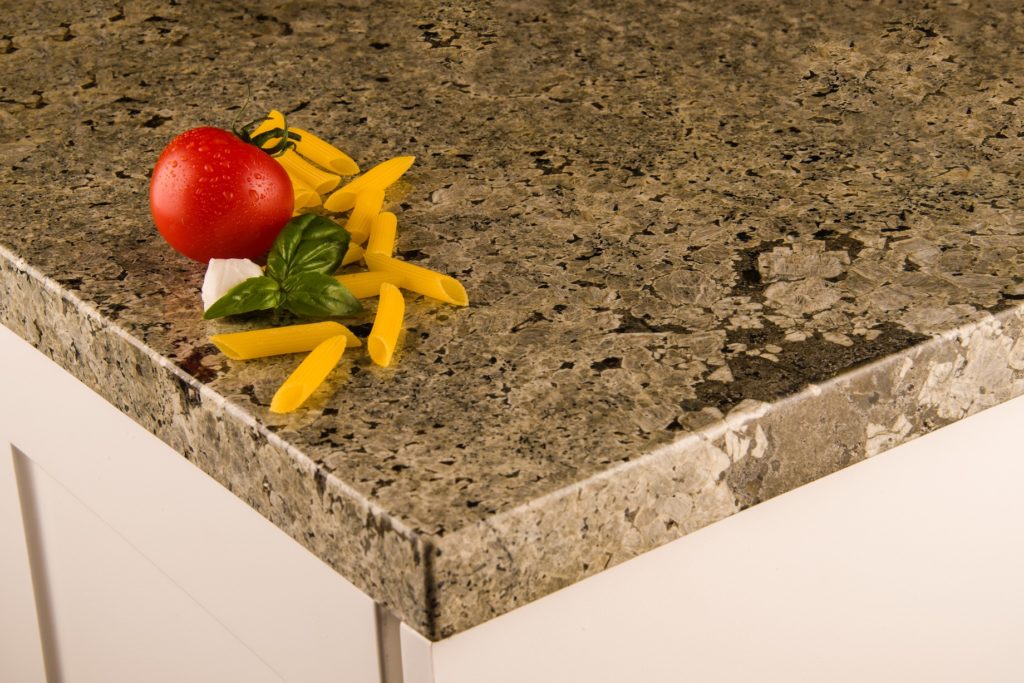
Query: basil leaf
319,296
307,244
323,246
318,257
254,294
283,250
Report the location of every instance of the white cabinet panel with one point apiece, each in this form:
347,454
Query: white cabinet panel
21,657
116,616
302,618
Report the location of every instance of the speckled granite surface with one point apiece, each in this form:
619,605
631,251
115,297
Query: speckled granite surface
714,251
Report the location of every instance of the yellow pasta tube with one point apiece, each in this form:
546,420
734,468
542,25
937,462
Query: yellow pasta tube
366,285
309,375
382,234
339,202
305,198
366,209
354,253
275,119
297,167
387,324
302,173
324,153
379,177
276,341
420,280
299,184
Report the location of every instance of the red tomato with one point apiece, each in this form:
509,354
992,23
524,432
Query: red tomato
214,196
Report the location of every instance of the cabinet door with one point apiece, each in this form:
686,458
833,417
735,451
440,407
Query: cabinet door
138,543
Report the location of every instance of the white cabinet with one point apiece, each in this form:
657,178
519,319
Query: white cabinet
151,570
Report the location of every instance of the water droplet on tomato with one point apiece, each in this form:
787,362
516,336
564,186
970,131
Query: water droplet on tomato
228,194
208,168
254,195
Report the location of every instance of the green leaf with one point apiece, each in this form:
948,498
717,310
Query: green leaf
307,244
317,295
298,276
284,248
254,294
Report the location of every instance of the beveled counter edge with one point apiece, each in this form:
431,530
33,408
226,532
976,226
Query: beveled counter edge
725,467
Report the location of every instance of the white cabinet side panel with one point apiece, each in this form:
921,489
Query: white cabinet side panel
116,616
417,657
303,618
906,567
21,655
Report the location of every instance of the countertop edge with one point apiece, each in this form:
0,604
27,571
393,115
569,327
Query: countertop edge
756,452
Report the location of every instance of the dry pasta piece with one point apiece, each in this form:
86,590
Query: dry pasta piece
323,153
299,184
382,234
339,202
297,167
309,375
299,170
367,285
387,324
367,207
276,341
379,177
305,198
275,119
420,280
354,253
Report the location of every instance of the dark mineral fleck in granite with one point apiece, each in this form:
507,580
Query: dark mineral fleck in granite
714,251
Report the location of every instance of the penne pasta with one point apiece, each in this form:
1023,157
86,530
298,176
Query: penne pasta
387,324
299,170
297,167
309,375
305,198
367,207
276,341
379,177
420,280
366,285
324,154
299,184
339,202
382,234
275,119
354,253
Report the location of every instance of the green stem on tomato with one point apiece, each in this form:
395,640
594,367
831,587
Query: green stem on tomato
286,141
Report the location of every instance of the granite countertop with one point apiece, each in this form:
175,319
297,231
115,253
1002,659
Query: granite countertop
714,251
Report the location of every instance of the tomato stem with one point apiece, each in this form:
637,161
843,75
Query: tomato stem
285,142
